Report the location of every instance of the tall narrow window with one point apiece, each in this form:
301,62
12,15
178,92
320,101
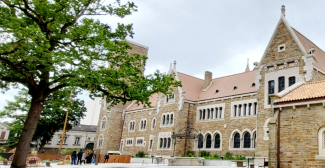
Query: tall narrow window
244,110
161,143
217,141
200,114
164,119
141,124
211,113
130,126
217,112
281,83
200,141
254,140
236,140
150,147
208,111
271,90
169,142
292,80
203,114
208,141
144,124
171,118
235,110
165,142
249,108
255,108
247,140
167,122
239,110
220,112
153,123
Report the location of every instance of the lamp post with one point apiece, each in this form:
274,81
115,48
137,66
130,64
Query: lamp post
65,124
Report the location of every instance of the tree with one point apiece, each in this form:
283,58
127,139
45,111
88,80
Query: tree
51,119
47,37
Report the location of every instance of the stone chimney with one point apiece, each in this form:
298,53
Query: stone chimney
207,79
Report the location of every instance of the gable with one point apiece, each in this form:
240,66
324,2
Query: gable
284,37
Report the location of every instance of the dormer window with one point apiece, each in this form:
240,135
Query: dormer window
253,85
281,47
235,87
217,91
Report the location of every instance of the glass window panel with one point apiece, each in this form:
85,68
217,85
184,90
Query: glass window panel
169,141
236,140
220,112
161,143
167,122
165,142
208,141
200,141
247,140
271,87
292,80
281,83
217,141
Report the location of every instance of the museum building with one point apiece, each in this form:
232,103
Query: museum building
274,111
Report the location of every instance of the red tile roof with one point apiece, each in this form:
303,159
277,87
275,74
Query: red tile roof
306,91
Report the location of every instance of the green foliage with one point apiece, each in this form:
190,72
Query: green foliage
228,156
140,154
190,154
52,116
2,149
68,150
204,153
216,156
2,159
116,154
240,157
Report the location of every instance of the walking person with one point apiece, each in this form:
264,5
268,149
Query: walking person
73,158
83,158
79,157
106,158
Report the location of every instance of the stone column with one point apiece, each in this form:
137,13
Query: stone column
237,110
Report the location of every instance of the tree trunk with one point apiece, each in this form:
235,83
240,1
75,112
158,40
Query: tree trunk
23,147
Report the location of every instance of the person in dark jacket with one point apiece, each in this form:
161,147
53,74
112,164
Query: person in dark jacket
79,157
73,158
106,158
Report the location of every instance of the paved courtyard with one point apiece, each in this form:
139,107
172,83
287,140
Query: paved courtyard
125,165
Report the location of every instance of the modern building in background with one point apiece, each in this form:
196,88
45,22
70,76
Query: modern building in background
273,112
93,110
4,133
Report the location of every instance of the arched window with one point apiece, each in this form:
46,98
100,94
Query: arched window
169,141
130,125
161,143
208,141
144,124
165,142
163,120
217,141
321,141
200,141
104,120
239,110
171,118
247,140
133,125
153,123
167,119
141,124
100,141
237,140
200,114
220,112
254,140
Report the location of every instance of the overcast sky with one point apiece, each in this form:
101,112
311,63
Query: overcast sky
213,35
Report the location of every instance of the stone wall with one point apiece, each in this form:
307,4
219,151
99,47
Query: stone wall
298,136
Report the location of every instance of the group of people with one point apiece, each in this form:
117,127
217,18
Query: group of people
82,157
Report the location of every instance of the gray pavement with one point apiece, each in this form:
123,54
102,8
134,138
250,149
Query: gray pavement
125,165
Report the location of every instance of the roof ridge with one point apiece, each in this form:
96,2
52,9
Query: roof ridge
307,39
190,76
232,75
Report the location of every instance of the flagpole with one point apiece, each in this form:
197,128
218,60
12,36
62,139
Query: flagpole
65,124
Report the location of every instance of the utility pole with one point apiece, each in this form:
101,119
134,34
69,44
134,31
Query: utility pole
65,124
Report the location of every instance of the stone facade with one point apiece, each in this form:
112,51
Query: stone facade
247,125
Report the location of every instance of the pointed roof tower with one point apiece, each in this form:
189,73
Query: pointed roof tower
247,68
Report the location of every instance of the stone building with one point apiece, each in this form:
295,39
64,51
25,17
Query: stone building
275,112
